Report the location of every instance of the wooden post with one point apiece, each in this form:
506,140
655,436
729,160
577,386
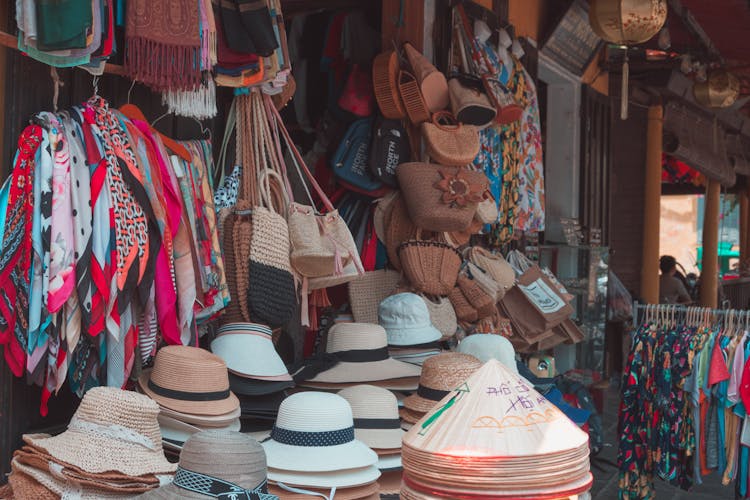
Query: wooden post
710,265
744,231
652,207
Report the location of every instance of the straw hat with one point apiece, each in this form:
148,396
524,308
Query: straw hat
488,346
389,462
175,432
375,412
209,460
363,351
407,384
345,478
21,485
406,320
314,432
355,493
248,351
244,386
189,380
440,375
409,416
212,421
112,430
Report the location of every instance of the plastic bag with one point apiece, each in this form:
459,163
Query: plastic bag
619,300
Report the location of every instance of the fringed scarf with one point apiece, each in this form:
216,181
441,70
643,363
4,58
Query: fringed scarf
163,39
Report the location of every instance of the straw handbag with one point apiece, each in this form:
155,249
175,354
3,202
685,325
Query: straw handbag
408,89
476,295
449,142
272,297
495,266
487,212
430,266
368,291
385,70
432,83
398,228
441,198
465,312
442,315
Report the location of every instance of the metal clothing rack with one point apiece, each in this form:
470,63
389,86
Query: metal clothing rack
679,313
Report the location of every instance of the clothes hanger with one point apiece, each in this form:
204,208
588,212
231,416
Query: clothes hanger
134,113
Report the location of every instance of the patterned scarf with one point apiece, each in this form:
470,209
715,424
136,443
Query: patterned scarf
15,254
163,50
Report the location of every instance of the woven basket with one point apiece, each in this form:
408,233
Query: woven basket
449,142
398,228
485,281
242,234
233,311
368,291
430,266
442,315
414,103
479,299
441,198
465,312
494,265
385,70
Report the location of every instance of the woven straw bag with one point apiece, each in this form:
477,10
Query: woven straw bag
485,281
441,198
385,70
430,266
465,312
398,228
368,291
408,89
449,142
495,266
487,212
483,302
442,315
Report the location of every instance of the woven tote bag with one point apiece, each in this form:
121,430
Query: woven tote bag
441,198
483,302
430,266
368,291
495,266
385,69
449,142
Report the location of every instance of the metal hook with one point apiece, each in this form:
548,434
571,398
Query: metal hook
57,84
153,123
130,90
204,130
95,84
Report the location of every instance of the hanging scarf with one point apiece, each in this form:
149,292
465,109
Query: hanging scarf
15,254
64,24
163,50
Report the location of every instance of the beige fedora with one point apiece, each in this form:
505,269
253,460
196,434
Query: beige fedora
112,430
362,350
375,412
440,375
218,462
189,380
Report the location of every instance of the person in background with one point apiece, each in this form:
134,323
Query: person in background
672,289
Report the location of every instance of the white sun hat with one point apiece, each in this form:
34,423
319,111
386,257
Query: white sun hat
406,320
314,432
347,478
487,346
376,421
248,351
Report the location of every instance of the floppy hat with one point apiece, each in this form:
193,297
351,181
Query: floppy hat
345,478
215,464
314,432
440,375
189,380
248,351
175,432
406,320
112,430
487,346
362,351
375,412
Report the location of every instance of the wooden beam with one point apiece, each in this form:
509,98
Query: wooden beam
652,207
709,293
405,25
10,41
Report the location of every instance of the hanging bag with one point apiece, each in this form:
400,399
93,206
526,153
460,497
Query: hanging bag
430,266
469,103
389,148
350,162
449,142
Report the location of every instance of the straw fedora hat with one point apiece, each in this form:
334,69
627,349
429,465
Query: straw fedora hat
212,421
214,462
440,375
406,320
487,346
248,351
112,430
314,432
189,380
375,412
362,349
175,432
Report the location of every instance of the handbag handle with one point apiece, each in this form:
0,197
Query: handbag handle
219,173
246,146
271,128
300,162
440,118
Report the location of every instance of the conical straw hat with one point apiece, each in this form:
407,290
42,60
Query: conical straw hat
440,375
495,414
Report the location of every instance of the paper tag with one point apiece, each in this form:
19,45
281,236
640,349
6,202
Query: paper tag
542,296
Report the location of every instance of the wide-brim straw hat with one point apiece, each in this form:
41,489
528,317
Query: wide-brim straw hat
368,341
314,432
212,421
245,386
112,430
345,478
189,380
265,405
389,462
375,411
248,351
226,455
440,375
175,432
414,356
363,492
21,485
409,416
407,384
487,346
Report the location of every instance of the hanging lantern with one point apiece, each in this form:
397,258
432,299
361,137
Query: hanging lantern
720,90
627,22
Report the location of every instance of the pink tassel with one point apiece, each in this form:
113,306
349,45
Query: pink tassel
304,306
